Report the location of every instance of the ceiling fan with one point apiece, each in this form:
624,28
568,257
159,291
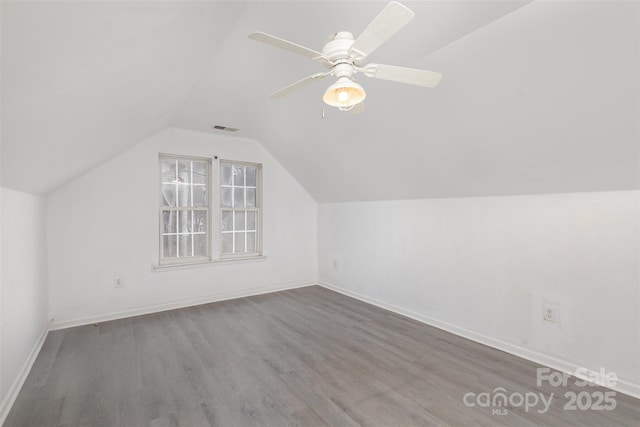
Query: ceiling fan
345,56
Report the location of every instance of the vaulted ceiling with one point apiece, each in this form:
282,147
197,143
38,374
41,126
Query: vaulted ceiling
538,97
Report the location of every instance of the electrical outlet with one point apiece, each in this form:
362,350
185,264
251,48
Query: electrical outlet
550,313
118,282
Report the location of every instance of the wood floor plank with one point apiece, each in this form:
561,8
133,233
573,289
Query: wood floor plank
305,357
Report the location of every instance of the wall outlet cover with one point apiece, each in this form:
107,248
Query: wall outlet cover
118,282
550,313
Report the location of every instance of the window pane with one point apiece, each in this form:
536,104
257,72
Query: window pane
169,246
251,197
184,222
184,195
226,174
168,171
200,245
251,176
184,245
239,224
238,175
239,237
227,243
251,242
227,220
226,197
251,220
184,171
169,222
168,194
199,196
199,172
199,221
238,197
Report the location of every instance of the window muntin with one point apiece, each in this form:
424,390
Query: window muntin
240,208
184,210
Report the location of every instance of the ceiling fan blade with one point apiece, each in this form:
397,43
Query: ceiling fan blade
404,75
287,45
297,85
388,22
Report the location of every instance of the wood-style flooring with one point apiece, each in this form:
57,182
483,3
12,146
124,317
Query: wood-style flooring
304,357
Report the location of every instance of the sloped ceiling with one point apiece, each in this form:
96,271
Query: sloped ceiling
537,97
83,81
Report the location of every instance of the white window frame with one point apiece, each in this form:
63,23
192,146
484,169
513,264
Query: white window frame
207,209
214,214
257,209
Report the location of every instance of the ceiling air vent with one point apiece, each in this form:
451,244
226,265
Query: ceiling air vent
226,128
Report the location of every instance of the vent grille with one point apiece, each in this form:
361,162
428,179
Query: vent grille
225,128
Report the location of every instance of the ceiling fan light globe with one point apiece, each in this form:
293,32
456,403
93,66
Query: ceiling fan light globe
344,93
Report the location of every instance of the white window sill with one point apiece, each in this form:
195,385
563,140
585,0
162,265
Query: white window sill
224,261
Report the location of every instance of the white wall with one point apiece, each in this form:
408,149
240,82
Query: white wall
484,267
106,222
23,290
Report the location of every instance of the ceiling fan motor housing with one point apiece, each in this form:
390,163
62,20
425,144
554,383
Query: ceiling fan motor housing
337,50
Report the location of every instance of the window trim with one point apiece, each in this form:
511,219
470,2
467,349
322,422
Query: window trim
184,260
258,209
214,216
226,261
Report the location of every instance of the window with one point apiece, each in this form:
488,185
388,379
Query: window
205,218
184,209
240,208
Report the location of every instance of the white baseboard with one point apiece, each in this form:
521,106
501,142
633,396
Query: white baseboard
622,386
11,396
104,317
